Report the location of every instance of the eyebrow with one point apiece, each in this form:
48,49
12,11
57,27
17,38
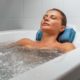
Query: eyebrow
51,15
45,15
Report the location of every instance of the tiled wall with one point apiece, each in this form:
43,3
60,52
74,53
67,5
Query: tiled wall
27,14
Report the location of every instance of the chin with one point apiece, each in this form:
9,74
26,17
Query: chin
45,27
45,30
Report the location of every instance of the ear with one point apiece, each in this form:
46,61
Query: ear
62,28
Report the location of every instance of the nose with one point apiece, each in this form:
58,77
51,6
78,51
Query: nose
46,19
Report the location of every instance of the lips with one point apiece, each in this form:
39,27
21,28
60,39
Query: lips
45,24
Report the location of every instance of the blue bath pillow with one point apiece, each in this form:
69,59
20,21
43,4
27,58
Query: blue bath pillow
39,35
67,36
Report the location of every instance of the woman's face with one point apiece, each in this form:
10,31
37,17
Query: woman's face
52,22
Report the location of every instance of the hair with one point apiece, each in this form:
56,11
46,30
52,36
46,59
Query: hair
64,19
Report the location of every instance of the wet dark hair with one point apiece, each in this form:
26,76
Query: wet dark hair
64,19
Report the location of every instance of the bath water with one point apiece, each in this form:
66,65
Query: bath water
17,59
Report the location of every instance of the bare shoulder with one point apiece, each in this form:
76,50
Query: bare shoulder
68,46
24,41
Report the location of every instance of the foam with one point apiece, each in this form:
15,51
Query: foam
16,60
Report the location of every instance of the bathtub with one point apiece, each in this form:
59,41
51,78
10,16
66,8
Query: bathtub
64,67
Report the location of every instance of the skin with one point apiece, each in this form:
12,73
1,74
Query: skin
51,26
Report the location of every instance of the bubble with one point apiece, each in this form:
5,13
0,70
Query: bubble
15,60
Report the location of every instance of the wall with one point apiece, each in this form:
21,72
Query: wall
27,14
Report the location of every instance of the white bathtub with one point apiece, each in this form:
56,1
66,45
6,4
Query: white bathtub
65,67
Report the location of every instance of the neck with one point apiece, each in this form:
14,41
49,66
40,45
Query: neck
49,38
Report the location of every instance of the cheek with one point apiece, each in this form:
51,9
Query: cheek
55,24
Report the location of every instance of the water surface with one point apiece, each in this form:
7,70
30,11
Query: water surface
17,59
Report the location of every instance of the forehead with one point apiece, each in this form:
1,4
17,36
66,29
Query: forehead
53,12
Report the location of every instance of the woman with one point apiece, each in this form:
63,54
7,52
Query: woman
52,24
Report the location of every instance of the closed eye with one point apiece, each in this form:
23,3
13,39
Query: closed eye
53,17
